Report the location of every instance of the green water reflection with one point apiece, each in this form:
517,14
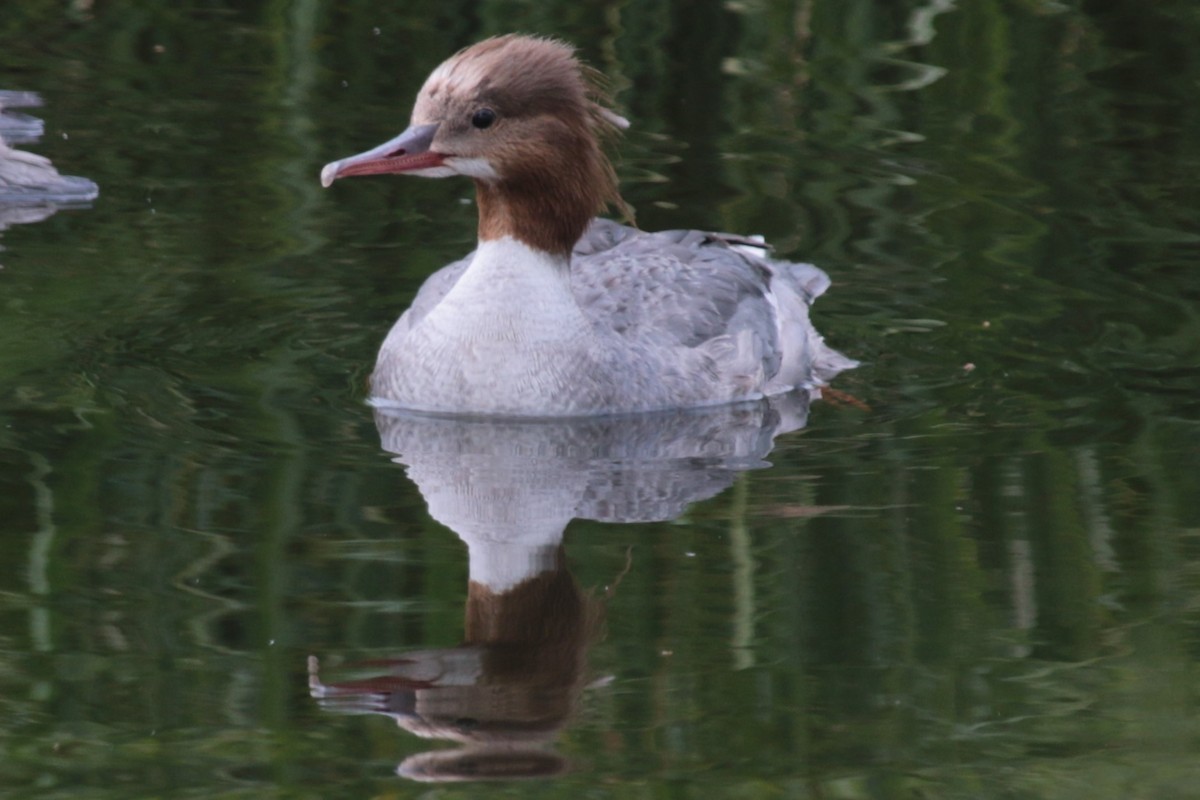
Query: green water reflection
978,575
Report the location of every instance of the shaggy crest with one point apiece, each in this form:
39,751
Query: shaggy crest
554,176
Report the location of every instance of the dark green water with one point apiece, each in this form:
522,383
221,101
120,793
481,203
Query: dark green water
975,574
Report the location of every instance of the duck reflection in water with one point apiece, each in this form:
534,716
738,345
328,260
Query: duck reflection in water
509,488
504,694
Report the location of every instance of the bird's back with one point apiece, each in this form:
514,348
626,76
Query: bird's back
710,292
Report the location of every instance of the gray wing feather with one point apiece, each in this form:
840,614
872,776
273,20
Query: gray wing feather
687,289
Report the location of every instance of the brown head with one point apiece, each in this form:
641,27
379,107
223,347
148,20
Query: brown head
523,118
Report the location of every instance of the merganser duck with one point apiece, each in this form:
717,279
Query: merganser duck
31,179
16,128
557,313
27,179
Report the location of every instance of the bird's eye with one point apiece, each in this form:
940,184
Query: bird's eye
483,118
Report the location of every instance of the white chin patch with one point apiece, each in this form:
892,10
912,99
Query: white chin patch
472,167
443,171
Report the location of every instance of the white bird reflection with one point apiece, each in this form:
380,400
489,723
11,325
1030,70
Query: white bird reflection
508,489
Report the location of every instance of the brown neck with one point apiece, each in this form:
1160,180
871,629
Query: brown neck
549,607
553,184
537,213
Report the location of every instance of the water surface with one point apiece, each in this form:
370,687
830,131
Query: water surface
974,573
